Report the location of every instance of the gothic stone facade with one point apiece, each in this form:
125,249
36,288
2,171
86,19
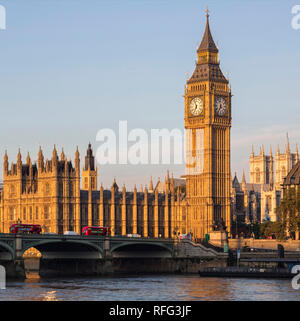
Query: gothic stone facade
48,193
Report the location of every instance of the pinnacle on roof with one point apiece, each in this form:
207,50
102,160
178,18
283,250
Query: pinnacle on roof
244,178
287,146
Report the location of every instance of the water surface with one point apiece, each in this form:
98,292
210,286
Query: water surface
149,288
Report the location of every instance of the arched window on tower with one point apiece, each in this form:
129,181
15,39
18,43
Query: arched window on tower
283,173
257,176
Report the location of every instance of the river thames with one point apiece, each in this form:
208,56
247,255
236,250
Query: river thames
149,288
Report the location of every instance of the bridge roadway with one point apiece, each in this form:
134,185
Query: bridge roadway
95,255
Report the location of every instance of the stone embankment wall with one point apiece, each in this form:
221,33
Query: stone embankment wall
288,245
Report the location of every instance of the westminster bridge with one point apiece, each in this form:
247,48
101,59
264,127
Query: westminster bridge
95,255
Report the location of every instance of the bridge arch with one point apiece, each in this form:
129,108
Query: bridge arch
141,249
72,249
6,251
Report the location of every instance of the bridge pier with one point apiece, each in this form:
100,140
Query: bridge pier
14,269
106,248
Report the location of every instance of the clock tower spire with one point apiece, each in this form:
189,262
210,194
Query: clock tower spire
208,123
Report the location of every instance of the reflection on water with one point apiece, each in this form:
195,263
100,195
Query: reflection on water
149,288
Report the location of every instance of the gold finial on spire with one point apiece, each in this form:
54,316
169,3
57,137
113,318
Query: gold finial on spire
207,11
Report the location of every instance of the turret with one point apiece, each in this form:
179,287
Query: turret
243,181
89,159
101,193
77,161
167,182
89,172
124,193
54,159
62,155
151,186
28,160
287,146
135,194
5,164
19,160
40,160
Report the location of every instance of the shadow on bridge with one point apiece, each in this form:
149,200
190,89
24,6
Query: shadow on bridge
6,252
141,250
71,249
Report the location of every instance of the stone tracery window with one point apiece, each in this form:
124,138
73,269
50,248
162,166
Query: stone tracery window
12,190
257,175
47,189
283,172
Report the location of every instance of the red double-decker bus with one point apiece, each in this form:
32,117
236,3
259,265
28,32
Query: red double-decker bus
96,230
25,228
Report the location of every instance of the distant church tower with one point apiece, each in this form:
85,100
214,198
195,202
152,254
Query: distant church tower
285,162
261,167
207,123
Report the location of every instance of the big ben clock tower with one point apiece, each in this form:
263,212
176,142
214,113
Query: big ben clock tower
207,123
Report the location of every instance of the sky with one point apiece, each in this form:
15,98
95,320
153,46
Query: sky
69,68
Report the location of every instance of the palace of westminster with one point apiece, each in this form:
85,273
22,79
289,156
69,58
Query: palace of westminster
57,195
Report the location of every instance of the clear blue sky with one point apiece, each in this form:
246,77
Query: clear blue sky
72,67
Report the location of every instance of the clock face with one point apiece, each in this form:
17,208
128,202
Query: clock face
196,106
220,106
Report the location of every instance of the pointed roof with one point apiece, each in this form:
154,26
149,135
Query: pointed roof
293,177
89,159
40,154
62,155
151,185
115,186
244,178
287,143
207,71
77,153
235,183
28,160
19,157
207,43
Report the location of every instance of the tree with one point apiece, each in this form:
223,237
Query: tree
289,212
